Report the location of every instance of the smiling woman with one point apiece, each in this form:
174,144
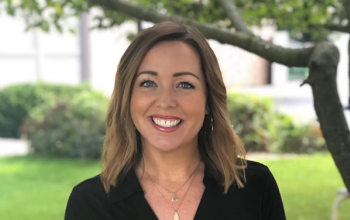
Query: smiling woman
170,151
172,93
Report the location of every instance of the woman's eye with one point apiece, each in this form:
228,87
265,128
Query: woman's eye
147,83
186,85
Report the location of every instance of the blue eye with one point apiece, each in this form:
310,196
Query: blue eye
147,84
186,85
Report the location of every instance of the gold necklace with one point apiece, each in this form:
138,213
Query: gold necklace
176,214
175,198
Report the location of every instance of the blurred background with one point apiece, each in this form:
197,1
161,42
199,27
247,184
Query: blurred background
58,60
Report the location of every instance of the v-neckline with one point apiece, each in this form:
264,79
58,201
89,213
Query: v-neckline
145,209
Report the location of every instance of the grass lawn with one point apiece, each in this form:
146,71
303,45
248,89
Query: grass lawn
35,188
308,186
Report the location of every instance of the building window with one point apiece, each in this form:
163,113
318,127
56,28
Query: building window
297,73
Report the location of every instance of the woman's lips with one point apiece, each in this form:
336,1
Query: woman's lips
165,129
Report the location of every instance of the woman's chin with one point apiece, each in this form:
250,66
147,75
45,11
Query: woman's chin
166,147
167,144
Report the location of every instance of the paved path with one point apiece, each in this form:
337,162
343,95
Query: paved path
12,147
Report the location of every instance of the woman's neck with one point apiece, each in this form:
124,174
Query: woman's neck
171,166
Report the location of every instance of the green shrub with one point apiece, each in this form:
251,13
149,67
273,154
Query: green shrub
69,128
304,139
264,129
69,121
17,101
253,120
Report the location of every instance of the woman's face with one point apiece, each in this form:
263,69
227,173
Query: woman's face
168,100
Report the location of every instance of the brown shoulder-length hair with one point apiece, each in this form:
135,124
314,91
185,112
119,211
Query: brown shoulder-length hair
221,149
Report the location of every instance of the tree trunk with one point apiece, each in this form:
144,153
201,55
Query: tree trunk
322,78
349,69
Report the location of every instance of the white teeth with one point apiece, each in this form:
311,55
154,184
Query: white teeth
166,123
163,123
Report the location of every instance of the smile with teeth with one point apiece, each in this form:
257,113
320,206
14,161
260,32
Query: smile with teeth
166,122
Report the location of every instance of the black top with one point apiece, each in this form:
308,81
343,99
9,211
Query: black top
258,200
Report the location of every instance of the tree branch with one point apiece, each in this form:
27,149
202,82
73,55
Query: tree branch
340,28
232,13
265,49
346,4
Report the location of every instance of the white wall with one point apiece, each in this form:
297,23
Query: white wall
341,42
279,72
34,55
107,47
55,57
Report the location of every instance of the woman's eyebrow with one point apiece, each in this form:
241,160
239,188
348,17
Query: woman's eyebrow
147,72
185,73
175,74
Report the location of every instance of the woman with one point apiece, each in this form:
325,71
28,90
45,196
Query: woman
170,151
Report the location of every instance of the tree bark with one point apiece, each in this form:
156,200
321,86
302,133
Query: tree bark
322,78
339,28
346,4
233,14
251,43
349,70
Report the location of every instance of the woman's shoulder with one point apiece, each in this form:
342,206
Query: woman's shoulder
89,187
261,182
85,198
254,167
258,173
90,182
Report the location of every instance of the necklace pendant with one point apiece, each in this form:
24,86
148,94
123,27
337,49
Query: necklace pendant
174,198
176,216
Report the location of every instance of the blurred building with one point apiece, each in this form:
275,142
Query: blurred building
94,55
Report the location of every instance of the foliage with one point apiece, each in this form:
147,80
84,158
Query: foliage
264,129
298,17
70,128
303,139
202,11
57,13
17,101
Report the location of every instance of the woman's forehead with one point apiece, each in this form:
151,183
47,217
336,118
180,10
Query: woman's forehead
173,55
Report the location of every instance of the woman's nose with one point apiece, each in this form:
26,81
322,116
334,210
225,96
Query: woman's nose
166,99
